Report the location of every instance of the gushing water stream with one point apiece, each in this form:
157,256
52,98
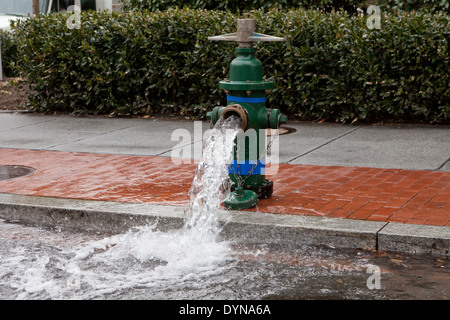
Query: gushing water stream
210,184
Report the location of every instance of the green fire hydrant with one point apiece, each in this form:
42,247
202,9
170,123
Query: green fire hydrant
246,97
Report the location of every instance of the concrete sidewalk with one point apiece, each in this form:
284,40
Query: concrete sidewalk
415,147
384,187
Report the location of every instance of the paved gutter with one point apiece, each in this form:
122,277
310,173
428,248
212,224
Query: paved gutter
118,217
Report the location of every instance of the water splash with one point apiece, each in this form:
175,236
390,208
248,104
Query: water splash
147,257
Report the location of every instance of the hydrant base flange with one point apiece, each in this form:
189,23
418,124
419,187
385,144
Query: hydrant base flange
241,199
263,191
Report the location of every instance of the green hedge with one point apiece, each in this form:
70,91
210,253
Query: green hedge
9,53
337,68
410,5
332,66
240,5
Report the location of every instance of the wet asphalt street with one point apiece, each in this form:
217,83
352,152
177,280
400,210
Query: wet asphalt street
52,264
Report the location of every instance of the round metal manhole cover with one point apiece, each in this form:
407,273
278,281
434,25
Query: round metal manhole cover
281,130
11,172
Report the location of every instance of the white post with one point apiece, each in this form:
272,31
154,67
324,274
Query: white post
1,69
50,5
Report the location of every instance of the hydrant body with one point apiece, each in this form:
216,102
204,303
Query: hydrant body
246,91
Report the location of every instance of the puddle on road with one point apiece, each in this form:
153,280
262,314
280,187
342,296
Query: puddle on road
147,264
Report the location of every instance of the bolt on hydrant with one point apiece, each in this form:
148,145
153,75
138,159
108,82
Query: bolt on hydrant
246,97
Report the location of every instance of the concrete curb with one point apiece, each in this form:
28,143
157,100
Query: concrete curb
258,227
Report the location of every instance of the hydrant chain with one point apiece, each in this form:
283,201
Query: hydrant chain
262,155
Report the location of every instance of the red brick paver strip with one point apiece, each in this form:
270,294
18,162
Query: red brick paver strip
406,196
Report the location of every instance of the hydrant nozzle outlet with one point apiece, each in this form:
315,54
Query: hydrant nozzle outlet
236,109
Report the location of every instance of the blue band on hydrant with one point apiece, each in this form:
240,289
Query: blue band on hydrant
246,100
245,167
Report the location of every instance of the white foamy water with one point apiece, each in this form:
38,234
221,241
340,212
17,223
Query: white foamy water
145,258
141,258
